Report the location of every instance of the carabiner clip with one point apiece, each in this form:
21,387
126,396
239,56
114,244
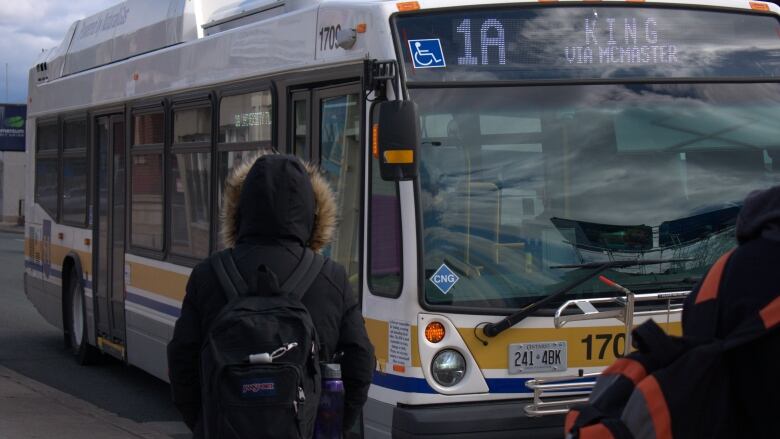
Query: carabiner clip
265,357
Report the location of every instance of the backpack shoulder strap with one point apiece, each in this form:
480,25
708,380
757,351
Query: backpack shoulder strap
758,325
750,329
305,272
233,284
701,318
710,285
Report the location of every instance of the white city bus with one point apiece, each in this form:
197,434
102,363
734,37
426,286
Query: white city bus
528,147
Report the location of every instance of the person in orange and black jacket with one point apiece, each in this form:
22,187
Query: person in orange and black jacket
750,284
274,205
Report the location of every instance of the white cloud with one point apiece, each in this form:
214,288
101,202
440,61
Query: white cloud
27,27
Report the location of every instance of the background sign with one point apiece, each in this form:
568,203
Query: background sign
12,121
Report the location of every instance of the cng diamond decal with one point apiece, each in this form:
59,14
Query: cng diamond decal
444,279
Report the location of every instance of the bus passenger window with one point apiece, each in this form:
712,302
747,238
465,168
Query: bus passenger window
246,118
75,172
191,176
47,168
146,182
245,125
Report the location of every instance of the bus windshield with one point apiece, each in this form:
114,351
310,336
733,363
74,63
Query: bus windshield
516,181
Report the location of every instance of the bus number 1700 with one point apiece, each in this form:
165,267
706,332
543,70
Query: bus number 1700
328,37
604,341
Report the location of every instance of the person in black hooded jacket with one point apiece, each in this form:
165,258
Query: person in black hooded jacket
750,283
274,206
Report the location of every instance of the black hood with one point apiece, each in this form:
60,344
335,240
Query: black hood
276,202
760,216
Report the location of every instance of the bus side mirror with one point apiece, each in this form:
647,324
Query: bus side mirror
395,139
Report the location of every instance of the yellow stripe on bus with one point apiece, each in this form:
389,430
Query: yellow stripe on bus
378,332
155,280
58,254
145,277
592,346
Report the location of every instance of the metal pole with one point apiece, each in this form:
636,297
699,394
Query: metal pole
6,82
629,320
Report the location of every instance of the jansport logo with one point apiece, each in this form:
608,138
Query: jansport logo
14,122
258,388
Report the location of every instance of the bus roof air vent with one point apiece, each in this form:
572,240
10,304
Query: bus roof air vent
237,13
128,29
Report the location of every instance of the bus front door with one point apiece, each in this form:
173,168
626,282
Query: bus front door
109,223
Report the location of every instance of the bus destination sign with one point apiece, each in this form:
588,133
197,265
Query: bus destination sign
588,42
633,48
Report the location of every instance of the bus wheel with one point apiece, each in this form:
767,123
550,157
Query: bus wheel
83,352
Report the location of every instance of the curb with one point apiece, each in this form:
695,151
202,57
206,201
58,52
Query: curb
82,407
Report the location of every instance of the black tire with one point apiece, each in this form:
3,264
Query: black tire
83,352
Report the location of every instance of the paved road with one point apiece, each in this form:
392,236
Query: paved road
32,347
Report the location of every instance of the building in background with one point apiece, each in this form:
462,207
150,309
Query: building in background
12,162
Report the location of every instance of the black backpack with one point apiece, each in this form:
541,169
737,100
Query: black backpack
260,372
672,387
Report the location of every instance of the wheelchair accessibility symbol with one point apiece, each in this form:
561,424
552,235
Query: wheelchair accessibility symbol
427,54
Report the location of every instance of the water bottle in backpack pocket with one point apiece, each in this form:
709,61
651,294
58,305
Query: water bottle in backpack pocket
330,414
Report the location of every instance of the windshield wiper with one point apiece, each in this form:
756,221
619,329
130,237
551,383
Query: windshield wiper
641,287
493,329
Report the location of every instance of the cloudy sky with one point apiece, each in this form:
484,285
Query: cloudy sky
26,27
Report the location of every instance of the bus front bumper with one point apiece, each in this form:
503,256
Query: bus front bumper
495,419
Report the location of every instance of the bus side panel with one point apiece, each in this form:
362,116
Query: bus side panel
46,297
33,283
147,341
43,280
154,291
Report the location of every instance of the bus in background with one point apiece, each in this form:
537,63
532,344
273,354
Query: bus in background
519,182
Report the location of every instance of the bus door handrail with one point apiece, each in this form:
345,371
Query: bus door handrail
547,391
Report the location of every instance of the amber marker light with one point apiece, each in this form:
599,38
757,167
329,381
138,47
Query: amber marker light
360,28
759,6
375,140
434,332
399,156
408,6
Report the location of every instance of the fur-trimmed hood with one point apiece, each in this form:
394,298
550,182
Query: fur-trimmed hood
275,196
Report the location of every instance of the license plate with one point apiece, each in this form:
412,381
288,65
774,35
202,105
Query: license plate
548,356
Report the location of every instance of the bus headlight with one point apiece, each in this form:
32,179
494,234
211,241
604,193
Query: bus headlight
448,367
